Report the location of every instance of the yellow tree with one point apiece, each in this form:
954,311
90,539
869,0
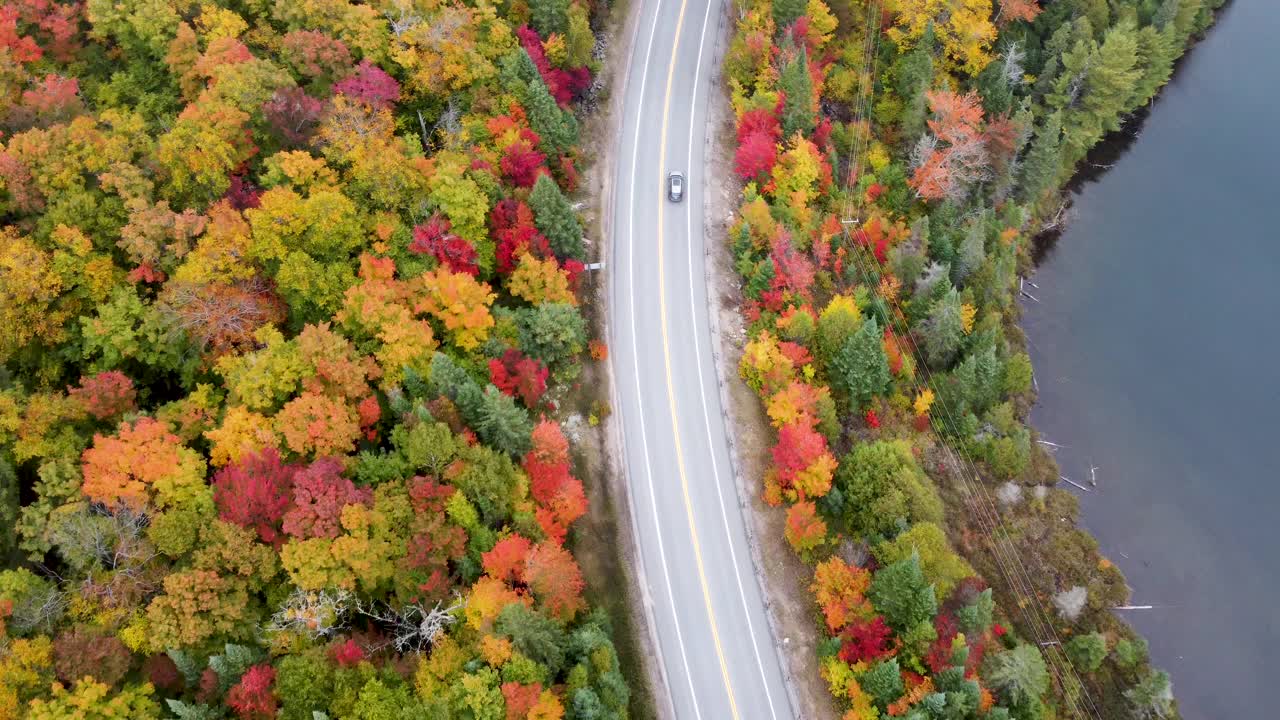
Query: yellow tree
459,302
963,28
539,281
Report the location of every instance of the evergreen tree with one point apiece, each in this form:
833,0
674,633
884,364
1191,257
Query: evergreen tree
1157,51
551,332
901,593
1087,652
786,12
972,251
556,219
976,617
797,86
549,16
930,280
883,682
556,128
536,636
1018,675
518,70
943,330
1044,161
1110,76
914,77
9,509
860,368
503,424
1152,697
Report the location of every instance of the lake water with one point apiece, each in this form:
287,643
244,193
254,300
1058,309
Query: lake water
1155,344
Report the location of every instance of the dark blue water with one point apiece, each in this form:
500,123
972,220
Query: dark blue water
1156,344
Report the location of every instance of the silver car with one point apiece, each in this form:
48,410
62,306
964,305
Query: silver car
675,186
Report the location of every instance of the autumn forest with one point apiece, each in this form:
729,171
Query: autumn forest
291,298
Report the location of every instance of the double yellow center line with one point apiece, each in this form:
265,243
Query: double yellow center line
666,358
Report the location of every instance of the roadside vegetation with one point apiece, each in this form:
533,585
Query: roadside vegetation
897,159
288,304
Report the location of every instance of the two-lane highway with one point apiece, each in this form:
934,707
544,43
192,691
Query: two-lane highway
720,660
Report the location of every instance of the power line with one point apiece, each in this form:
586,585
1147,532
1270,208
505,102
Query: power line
988,515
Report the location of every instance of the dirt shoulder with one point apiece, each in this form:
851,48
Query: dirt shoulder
784,578
606,542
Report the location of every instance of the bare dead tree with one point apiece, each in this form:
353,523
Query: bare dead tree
1013,71
412,627
314,613
924,148
402,20
111,548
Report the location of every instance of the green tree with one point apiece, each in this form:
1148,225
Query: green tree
554,333
9,509
1043,163
978,615
913,78
860,369
1018,675
878,486
786,12
797,86
489,480
883,682
940,564
535,635
901,593
972,251
556,127
943,330
1157,51
1110,75
503,424
556,219
1087,652
1152,697
549,16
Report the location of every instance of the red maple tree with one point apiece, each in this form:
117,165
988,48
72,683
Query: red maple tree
252,698
434,237
255,493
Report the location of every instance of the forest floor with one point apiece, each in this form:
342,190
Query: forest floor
786,578
605,539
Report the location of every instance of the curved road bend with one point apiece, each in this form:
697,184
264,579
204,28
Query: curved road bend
719,658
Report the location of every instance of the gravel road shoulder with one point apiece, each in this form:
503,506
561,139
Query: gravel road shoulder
785,579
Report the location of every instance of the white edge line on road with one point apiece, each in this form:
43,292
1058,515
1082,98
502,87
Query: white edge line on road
702,390
607,226
635,354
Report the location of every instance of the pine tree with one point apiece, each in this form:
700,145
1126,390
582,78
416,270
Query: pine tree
797,85
972,250
786,12
1157,51
943,330
1018,675
1110,77
9,507
557,128
1044,161
556,219
549,16
502,424
914,78
1087,651
902,594
860,368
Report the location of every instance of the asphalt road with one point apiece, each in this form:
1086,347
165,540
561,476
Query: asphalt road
719,658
